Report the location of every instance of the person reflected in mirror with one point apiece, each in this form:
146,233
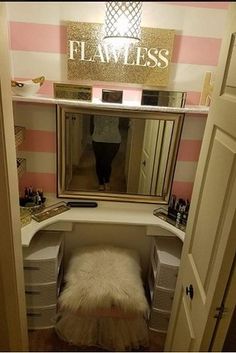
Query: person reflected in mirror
106,139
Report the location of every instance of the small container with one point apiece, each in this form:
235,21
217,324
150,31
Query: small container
34,209
164,98
112,96
27,88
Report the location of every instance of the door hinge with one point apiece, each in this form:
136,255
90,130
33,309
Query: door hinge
220,311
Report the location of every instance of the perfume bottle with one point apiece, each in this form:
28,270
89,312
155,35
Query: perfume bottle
178,218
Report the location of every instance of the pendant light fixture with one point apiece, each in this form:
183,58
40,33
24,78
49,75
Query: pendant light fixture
123,22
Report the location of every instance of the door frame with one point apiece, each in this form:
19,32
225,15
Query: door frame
13,324
222,326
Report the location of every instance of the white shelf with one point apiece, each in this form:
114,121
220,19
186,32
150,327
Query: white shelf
193,109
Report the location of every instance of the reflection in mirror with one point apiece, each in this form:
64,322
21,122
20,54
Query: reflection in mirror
229,84
107,155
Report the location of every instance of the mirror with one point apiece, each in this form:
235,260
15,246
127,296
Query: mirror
110,152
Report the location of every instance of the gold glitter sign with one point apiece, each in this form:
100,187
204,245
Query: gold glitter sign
145,63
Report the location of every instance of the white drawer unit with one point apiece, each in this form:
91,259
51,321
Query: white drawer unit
163,272
43,272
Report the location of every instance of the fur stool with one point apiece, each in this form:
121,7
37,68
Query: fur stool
103,303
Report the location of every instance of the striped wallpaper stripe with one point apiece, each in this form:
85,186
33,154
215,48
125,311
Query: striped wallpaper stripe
39,141
38,37
35,116
47,88
189,150
185,171
182,189
39,162
194,126
196,50
193,98
45,181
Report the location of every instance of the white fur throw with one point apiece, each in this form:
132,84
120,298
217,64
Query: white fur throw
104,277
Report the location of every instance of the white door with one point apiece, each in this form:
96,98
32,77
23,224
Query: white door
210,244
76,139
69,149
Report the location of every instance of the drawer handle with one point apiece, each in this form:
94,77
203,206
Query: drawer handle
30,268
33,314
31,292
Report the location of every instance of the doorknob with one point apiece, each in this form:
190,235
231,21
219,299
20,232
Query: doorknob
189,291
144,163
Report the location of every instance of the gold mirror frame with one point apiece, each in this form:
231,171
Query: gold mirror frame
123,112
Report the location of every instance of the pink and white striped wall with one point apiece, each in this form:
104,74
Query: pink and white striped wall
38,47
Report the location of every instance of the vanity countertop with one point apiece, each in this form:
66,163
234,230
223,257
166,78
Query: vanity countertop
38,98
106,213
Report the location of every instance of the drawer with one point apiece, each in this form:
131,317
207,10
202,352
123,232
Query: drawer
151,282
167,251
43,294
159,320
42,261
166,276
60,226
158,231
41,317
41,272
163,299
